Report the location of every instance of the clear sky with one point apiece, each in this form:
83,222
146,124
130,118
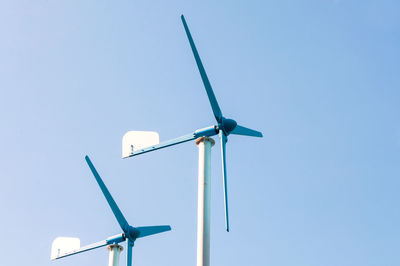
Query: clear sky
320,79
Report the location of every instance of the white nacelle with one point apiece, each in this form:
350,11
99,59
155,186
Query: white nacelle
62,245
136,140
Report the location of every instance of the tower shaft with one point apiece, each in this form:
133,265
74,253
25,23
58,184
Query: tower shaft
115,251
203,201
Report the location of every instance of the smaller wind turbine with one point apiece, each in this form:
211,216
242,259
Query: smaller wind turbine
130,233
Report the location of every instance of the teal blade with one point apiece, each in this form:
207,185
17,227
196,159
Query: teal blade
239,130
152,230
224,177
129,253
211,97
114,207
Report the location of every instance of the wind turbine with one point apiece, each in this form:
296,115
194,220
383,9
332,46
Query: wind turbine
133,145
223,128
129,233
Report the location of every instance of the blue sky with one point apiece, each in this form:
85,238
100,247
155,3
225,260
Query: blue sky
320,79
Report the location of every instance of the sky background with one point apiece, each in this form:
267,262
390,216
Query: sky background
320,79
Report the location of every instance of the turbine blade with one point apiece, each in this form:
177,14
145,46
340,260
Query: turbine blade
152,230
129,253
239,130
163,144
224,177
211,97
82,249
114,207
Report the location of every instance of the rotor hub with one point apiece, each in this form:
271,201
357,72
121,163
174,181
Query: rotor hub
227,125
133,233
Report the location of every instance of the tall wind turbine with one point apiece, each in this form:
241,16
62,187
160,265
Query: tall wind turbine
129,233
223,128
